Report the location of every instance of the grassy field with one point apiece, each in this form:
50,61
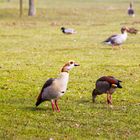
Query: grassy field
32,49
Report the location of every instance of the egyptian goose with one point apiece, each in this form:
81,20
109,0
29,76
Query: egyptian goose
118,39
131,11
68,31
106,84
132,30
54,88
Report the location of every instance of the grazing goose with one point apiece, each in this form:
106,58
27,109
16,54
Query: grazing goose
132,30
131,10
106,84
56,87
68,31
118,39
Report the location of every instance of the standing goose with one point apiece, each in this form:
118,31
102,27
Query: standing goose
118,39
68,31
131,10
56,87
108,85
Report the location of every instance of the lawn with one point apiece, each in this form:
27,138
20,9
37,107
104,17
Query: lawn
33,49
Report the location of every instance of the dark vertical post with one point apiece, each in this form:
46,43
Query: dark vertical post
20,7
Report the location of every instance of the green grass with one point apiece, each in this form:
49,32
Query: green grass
32,49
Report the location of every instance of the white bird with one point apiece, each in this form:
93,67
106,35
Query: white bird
130,10
118,39
68,31
54,88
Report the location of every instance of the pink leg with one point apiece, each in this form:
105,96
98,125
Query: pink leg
52,105
112,46
57,106
110,97
109,100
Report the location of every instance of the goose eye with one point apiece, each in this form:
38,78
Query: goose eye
71,62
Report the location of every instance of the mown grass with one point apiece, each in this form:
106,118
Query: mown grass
32,49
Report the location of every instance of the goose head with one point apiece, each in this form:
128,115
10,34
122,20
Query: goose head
62,29
124,29
69,65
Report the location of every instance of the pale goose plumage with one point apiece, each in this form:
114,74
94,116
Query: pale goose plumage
118,39
56,87
68,31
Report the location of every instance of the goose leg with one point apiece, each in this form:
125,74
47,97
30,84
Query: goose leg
57,106
109,98
52,105
111,101
113,47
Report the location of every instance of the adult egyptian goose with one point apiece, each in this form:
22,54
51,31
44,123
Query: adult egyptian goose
130,10
118,39
68,31
54,88
106,84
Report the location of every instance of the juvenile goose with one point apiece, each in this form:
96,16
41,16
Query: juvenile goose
118,39
56,87
108,85
130,10
68,31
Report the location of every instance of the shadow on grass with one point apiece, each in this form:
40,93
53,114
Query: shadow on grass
84,101
35,109
96,104
108,48
67,49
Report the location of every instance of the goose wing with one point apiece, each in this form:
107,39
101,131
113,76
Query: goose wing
47,84
111,38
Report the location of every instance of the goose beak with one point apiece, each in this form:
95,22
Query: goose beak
114,85
75,64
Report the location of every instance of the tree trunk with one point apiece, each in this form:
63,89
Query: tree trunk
21,8
32,10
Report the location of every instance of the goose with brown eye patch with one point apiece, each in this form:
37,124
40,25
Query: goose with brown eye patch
54,88
108,85
118,39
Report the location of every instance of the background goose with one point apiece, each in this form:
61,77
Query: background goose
68,31
131,10
106,84
56,87
132,30
118,39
